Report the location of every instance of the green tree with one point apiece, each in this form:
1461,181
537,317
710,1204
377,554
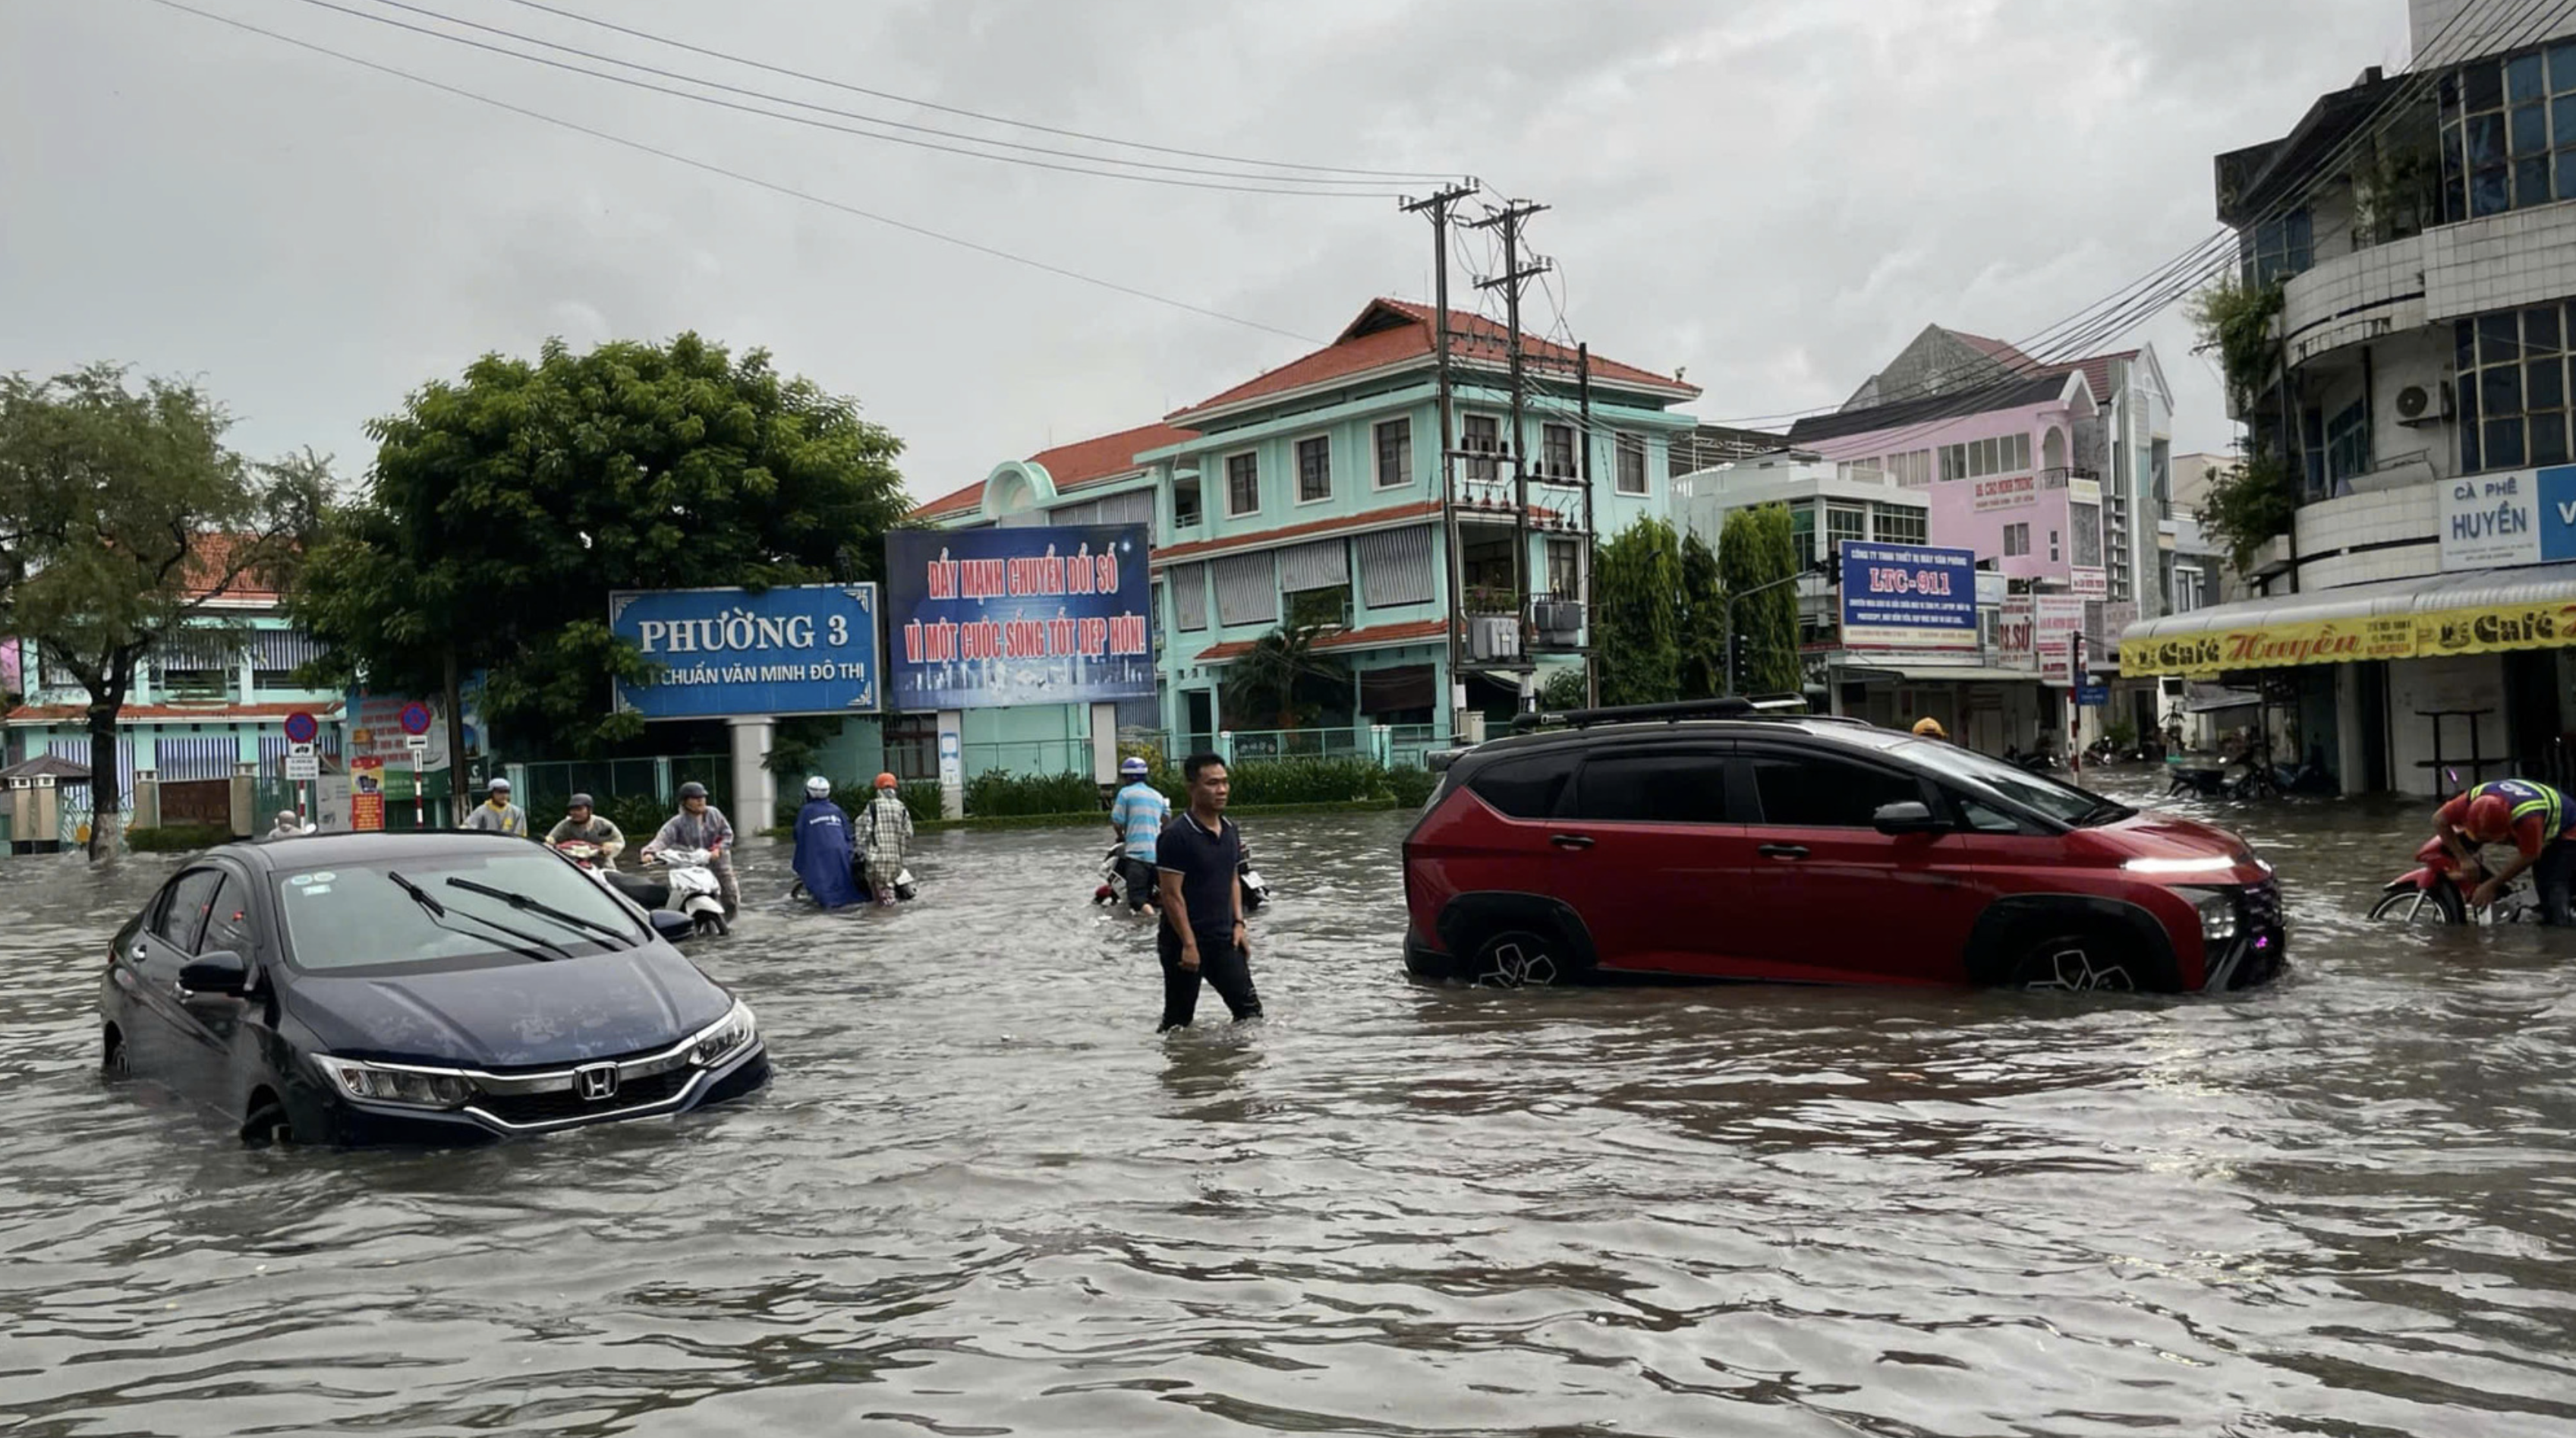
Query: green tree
130,521
1702,623
1282,682
1636,589
503,508
1756,548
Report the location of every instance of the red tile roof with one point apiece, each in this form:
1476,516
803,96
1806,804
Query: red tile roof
1392,514
175,713
1390,332
2097,372
1410,632
1072,465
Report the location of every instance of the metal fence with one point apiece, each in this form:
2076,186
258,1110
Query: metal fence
1391,745
542,787
1026,756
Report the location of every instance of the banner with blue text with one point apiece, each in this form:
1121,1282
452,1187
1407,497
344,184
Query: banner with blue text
985,618
724,653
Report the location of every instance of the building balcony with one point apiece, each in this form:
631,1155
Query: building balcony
2061,476
2353,299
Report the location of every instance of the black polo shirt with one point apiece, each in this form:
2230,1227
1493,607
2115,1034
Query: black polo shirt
1206,863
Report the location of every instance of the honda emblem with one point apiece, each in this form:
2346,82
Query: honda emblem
599,1081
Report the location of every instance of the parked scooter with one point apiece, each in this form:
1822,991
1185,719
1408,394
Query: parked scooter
692,888
1113,881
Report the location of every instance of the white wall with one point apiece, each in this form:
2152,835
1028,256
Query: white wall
2468,681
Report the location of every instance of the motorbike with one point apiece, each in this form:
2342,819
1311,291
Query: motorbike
1113,880
2437,892
645,892
691,888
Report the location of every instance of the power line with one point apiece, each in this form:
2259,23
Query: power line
1413,175
770,185
1278,185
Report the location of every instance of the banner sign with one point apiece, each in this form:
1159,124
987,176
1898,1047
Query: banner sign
799,649
1908,596
984,618
2527,516
2010,491
2056,620
2437,634
366,794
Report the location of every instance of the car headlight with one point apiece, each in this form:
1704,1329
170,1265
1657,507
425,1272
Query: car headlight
723,1040
2218,918
386,1083
2208,864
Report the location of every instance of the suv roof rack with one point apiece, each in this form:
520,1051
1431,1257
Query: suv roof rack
1733,706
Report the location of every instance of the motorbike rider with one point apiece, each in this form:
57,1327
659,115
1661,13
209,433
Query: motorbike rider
581,824
1137,816
287,826
2538,820
701,825
885,832
1928,727
496,814
823,848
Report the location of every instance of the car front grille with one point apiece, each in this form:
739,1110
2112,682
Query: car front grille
564,1105
2262,945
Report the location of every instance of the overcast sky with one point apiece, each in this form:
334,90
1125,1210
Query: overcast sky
1777,194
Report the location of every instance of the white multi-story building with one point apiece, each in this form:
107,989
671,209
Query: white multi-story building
2421,230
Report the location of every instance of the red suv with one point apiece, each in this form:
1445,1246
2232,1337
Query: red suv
1814,850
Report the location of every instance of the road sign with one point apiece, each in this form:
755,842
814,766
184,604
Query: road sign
2092,696
416,743
301,727
415,720
304,766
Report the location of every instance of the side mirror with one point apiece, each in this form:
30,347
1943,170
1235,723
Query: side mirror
677,928
219,972
1910,817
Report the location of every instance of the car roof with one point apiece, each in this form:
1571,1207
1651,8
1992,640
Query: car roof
299,851
1846,733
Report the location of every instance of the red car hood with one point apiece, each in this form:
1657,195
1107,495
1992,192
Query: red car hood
2175,842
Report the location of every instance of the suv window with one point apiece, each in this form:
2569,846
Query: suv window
1666,788
228,923
1525,787
1815,791
183,910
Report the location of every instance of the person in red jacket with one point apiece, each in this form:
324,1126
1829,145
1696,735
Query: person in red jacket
2537,819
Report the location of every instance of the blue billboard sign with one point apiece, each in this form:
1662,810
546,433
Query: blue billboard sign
984,618
801,649
1908,596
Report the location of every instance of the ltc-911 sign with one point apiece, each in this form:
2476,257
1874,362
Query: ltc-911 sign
725,653
1908,596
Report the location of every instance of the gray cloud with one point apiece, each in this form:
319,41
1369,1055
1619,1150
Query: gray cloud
1776,195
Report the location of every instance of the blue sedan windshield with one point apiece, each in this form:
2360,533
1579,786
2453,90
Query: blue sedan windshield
344,916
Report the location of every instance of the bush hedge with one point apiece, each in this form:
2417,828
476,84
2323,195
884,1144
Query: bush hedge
177,838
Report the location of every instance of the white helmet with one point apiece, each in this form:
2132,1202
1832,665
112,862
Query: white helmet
818,787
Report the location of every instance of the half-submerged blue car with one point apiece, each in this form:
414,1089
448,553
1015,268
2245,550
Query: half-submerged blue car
437,988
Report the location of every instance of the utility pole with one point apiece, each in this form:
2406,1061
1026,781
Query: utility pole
1509,220
1591,545
1437,206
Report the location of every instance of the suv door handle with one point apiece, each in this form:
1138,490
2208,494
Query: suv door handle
1782,851
1571,841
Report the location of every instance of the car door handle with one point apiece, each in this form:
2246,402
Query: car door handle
1571,841
1782,851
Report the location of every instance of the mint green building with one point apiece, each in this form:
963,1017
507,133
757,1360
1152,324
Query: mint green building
1311,495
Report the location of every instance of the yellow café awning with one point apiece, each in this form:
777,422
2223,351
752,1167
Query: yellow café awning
2476,611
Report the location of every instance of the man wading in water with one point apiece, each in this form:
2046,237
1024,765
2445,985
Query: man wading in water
1202,934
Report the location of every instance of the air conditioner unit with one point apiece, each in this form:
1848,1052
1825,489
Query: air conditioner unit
2419,404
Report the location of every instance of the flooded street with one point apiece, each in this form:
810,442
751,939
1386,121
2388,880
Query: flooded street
982,1197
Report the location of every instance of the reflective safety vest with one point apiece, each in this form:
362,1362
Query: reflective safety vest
2530,799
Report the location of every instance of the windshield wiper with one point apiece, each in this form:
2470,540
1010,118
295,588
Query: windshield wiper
531,945
527,905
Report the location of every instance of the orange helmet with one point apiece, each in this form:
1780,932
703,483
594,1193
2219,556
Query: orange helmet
2490,818
886,781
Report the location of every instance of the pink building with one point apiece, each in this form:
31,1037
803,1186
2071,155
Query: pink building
2012,470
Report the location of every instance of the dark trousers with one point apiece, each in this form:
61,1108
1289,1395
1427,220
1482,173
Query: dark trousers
1138,875
2551,878
1220,963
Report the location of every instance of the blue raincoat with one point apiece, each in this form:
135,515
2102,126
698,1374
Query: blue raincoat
823,854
